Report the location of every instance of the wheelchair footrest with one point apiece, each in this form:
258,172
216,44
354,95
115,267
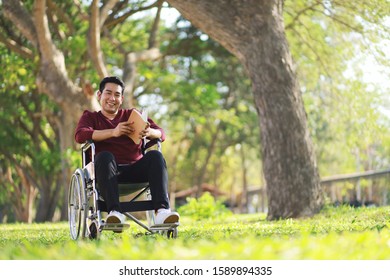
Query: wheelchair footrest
115,227
164,226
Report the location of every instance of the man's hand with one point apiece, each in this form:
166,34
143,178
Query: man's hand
146,132
123,128
150,133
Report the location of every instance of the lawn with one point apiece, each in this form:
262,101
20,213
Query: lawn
341,233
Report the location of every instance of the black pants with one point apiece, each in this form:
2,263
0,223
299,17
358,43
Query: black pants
150,168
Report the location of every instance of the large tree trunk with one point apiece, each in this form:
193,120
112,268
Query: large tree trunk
253,31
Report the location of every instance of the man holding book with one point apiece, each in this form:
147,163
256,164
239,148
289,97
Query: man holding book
119,155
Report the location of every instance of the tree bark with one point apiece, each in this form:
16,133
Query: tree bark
95,52
253,31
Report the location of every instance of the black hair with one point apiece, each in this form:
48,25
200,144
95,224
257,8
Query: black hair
111,79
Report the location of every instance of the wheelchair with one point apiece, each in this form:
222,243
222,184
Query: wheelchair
86,206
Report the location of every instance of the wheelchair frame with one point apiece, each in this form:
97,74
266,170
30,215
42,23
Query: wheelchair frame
85,205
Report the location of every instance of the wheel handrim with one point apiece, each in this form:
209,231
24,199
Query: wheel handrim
76,207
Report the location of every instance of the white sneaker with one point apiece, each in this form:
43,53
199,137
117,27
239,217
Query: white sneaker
115,218
166,216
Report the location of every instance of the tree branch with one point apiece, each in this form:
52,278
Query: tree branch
312,49
53,20
49,52
15,12
340,21
302,12
95,51
62,15
15,47
114,21
153,32
104,13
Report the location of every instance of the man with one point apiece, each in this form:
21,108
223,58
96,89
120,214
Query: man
119,158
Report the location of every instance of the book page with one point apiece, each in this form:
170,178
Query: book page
139,125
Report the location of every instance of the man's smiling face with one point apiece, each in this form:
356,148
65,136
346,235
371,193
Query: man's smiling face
110,99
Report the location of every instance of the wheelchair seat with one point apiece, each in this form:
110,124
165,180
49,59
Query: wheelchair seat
85,205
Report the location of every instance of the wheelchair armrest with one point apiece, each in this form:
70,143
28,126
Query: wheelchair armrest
89,144
151,143
88,149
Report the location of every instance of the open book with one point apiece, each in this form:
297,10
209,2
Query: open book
140,123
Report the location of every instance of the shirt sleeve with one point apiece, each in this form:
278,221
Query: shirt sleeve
155,126
85,127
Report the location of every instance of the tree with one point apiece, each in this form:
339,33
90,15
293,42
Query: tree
328,41
29,151
33,39
41,32
254,32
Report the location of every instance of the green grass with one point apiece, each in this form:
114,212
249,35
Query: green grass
334,234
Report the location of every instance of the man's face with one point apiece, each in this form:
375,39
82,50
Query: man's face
111,98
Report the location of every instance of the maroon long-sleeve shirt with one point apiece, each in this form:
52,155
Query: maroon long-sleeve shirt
123,148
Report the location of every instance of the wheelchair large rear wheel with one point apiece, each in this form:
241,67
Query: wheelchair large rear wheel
77,205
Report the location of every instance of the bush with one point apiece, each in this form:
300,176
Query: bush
205,207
